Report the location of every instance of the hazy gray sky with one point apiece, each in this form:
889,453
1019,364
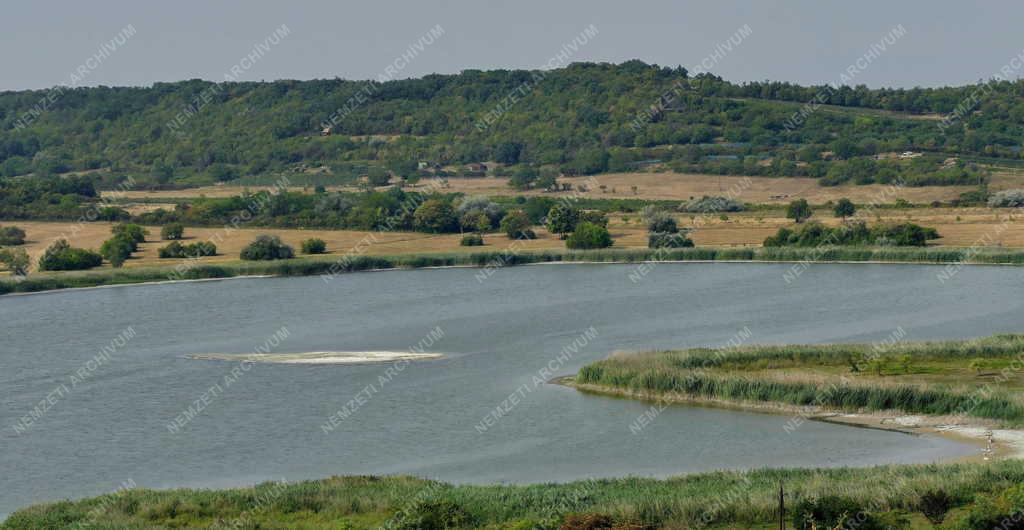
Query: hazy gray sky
806,41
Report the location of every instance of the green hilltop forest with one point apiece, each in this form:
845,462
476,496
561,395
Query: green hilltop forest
583,119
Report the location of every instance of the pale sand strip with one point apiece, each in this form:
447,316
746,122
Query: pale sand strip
318,357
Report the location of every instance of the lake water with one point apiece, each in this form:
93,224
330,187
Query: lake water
478,415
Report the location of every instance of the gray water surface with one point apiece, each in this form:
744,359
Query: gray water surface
425,419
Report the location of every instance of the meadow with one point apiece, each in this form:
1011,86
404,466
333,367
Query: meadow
991,229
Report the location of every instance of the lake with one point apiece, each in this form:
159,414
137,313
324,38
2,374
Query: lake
107,374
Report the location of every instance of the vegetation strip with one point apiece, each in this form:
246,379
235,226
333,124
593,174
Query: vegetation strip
913,378
746,498
491,260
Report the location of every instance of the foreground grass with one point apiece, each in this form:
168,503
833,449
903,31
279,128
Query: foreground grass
739,499
974,378
343,264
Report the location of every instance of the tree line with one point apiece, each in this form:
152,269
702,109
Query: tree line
577,120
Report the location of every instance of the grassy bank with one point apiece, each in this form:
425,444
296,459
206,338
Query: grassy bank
722,499
976,378
314,266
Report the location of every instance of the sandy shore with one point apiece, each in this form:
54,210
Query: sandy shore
318,357
1007,443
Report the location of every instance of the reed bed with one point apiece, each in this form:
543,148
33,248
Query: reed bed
734,375
708,499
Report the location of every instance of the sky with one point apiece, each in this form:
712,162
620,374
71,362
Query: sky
133,42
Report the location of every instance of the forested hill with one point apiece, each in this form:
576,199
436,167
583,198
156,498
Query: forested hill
584,118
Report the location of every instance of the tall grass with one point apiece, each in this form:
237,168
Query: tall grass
738,498
327,264
769,356
719,374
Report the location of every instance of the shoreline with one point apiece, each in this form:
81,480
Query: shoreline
497,259
1007,443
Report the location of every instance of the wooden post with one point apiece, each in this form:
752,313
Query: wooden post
782,508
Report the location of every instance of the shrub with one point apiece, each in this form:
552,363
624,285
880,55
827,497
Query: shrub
61,256
15,259
855,233
935,504
711,204
663,232
267,248
516,225
1002,511
173,250
477,210
132,232
11,235
117,249
435,515
194,250
203,248
314,246
661,221
435,215
112,213
172,231
844,208
472,240
1007,199
595,217
668,240
589,235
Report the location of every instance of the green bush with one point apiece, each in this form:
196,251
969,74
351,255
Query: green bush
663,222
596,217
193,250
668,240
844,208
853,233
172,231
314,246
117,249
131,232
11,235
516,225
61,256
15,259
589,236
112,213
435,215
435,515
267,248
1004,511
935,504
472,240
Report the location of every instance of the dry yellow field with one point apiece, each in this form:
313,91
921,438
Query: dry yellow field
671,186
230,241
961,227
